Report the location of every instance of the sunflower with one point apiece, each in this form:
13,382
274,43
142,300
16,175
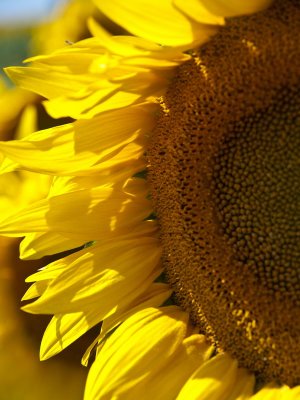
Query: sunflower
176,192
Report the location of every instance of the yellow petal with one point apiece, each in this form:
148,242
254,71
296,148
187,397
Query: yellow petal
7,165
154,296
163,385
157,292
273,392
64,329
232,8
244,385
214,380
292,393
103,277
46,82
76,215
156,20
84,147
136,90
50,272
98,75
38,245
142,344
27,123
73,91
36,290
111,53
197,10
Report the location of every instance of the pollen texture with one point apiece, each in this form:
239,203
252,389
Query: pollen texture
224,175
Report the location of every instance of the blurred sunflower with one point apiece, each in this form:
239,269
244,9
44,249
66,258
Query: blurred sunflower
204,133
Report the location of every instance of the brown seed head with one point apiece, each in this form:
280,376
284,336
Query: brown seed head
224,173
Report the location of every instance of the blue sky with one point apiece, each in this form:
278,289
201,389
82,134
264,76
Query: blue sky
26,12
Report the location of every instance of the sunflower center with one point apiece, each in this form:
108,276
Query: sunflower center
256,192
224,173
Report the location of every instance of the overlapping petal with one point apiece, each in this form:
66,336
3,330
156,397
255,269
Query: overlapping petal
142,345
102,279
154,296
273,392
192,352
85,147
232,8
99,74
144,18
197,19
219,378
38,245
86,214
101,276
64,329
